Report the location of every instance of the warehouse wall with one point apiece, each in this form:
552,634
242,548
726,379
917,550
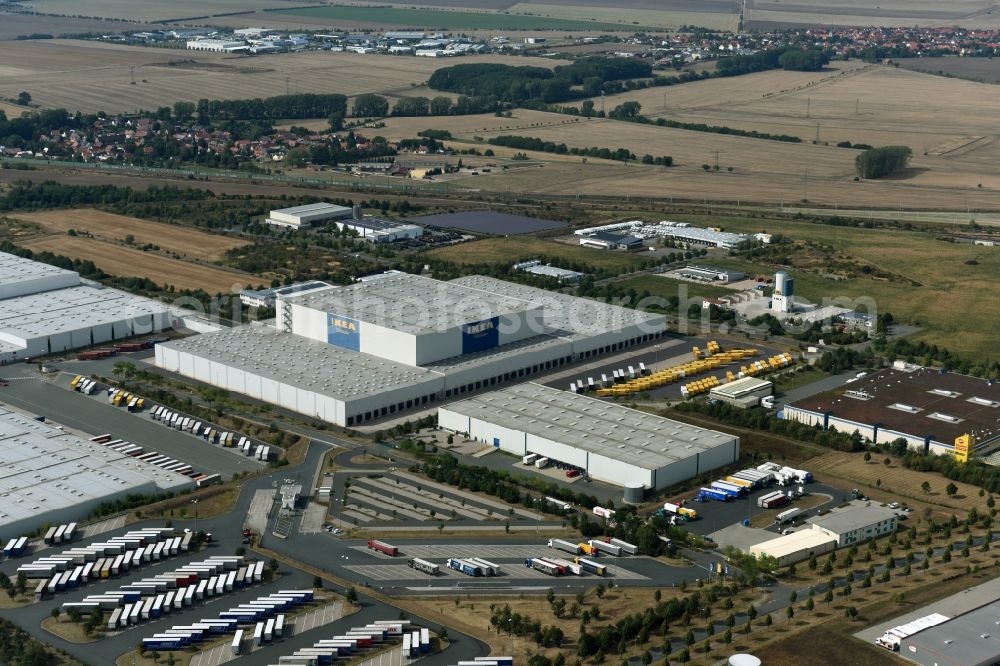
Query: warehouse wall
39,284
453,421
389,344
460,376
617,472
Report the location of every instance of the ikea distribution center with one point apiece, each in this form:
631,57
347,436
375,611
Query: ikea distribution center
398,342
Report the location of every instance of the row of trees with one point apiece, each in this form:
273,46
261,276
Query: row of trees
301,105
26,195
520,84
376,106
540,145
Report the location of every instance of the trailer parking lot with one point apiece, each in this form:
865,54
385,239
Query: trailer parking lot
509,571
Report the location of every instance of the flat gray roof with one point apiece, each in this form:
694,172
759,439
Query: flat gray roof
307,209
496,354
637,438
18,269
379,224
412,303
565,315
45,469
853,517
972,639
70,309
309,365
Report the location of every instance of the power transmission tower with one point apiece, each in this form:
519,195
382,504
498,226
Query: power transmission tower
808,105
131,73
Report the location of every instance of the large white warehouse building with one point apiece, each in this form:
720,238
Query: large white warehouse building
349,355
50,476
610,442
47,310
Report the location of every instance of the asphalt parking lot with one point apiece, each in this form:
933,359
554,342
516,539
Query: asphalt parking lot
714,516
91,414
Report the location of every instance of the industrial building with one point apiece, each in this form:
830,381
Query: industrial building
784,290
928,408
52,477
681,233
46,310
970,639
536,267
604,240
795,547
746,392
309,215
352,354
379,229
267,298
711,274
856,523
610,442
217,45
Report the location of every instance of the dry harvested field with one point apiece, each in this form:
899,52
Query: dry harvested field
896,480
129,262
93,76
184,241
984,70
12,25
147,11
978,13
715,15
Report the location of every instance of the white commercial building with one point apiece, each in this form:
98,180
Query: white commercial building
380,229
267,298
218,45
357,353
303,217
47,310
745,392
51,477
795,547
611,443
856,523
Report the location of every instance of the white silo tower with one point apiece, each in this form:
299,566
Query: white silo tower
784,289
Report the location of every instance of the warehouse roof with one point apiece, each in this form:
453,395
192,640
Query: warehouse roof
301,362
569,316
379,223
742,387
971,638
313,208
853,517
17,269
44,469
921,403
637,438
790,544
70,309
412,303
705,235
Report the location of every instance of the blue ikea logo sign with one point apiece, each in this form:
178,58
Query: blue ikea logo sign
343,332
480,335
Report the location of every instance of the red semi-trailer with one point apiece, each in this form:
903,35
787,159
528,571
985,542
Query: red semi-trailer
383,547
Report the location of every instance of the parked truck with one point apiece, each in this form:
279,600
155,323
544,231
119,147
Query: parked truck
383,547
624,545
787,516
546,567
713,494
468,568
425,566
605,547
564,545
677,509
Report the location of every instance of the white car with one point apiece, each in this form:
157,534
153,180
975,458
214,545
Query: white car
893,505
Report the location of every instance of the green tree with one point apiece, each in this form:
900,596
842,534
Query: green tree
951,489
926,487
24,98
370,106
352,595
879,162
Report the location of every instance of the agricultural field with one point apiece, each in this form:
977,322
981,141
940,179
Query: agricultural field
183,241
511,249
948,306
13,25
151,12
720,15
130,262
966,13
450,19
95,76
983,70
